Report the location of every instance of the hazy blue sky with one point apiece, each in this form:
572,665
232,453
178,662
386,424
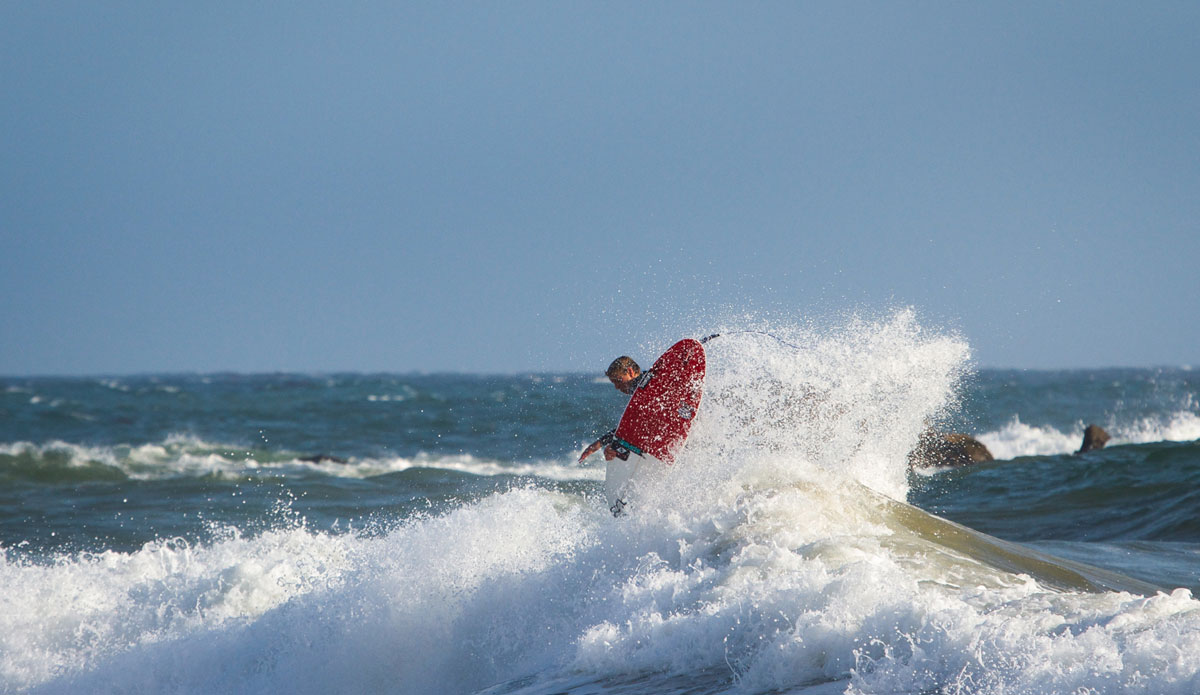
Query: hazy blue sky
515,186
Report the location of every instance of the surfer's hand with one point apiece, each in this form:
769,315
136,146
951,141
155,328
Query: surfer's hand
611,452
591,449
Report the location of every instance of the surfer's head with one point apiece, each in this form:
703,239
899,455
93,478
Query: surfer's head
623,373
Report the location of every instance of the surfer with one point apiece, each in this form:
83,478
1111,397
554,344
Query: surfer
625,375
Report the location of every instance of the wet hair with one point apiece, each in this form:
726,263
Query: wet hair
621,364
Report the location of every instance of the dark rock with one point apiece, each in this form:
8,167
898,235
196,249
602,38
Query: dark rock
322,458
936,449
1094,437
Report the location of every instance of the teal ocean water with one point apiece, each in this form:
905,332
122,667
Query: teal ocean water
393,533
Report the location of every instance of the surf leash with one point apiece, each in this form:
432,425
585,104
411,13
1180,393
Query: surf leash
781,340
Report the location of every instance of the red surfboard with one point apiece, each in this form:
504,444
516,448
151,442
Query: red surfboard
661,410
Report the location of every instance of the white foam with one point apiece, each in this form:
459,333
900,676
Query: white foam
75,613
1019,439
462,463
406,393
290,610
777,579
465,463
1180,426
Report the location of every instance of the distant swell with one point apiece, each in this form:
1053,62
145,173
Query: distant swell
1018,438
179,457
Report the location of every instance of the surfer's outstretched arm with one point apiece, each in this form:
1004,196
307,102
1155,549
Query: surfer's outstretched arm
593,448
605,441
597,445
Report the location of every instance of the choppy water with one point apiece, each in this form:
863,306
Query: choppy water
433,533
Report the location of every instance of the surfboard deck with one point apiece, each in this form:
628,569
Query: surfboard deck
660,412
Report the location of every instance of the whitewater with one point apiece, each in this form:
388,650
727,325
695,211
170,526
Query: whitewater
177,534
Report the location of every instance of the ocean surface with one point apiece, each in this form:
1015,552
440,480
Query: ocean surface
412,533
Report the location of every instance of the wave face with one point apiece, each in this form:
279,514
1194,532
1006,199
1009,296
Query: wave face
779,554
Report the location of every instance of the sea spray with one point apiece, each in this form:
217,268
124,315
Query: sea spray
850,401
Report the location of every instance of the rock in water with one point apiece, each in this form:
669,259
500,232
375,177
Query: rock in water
947,449
1094,437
